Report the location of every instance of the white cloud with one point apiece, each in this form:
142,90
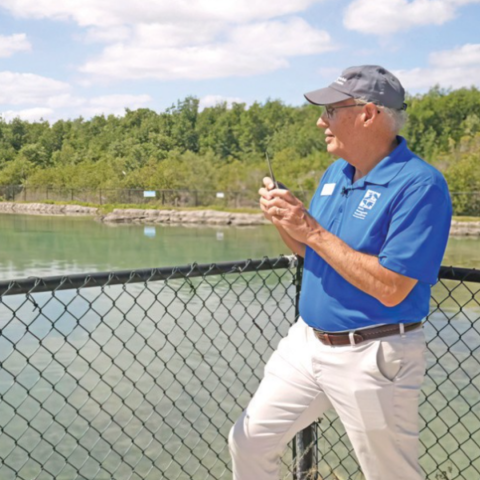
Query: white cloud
28,88
387,17
13,43
464,56
29,114
116,33
281,39
456,68
194,39
247,50
212,100
158,35
113,104
106,13
50,99
65,100
115,101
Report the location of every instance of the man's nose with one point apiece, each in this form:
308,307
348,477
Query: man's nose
322,121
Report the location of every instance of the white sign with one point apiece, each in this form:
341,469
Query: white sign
149,193
220,195
149,231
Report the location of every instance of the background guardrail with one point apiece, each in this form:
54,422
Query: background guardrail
140,374
464,203
167,198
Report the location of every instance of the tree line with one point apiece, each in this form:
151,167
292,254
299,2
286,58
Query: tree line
224,147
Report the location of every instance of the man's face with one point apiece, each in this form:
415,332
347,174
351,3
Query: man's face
342,128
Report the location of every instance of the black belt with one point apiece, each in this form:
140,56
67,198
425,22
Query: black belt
358,336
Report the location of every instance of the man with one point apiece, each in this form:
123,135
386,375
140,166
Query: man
372,240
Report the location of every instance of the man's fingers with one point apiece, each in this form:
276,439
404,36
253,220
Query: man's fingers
281,201
264,203
263,192
274,202
268,182
285,194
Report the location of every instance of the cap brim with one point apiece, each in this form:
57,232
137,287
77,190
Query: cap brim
326,96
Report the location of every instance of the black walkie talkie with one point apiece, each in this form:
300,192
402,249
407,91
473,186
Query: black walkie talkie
272,176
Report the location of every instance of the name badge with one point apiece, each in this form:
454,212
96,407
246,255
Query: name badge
328,189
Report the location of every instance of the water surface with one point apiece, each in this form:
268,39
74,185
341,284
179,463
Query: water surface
38,246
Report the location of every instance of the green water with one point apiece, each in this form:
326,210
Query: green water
33,245
197,366
38,246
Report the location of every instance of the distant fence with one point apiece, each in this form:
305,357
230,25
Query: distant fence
140,374
176,198
464,203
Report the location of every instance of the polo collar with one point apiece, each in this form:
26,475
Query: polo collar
386,169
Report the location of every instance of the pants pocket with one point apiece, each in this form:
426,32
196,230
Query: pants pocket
389,356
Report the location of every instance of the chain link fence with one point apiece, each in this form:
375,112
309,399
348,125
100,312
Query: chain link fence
464,203
140,374
450,402
159,198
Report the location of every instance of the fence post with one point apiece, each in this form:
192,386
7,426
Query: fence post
303,452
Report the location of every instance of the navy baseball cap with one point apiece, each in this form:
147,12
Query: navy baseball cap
371,82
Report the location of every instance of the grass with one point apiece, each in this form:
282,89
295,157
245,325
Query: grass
466,219
109,207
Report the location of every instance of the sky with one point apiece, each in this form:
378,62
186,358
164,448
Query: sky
62,59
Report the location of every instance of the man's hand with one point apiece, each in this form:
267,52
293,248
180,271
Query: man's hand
288,212
265,196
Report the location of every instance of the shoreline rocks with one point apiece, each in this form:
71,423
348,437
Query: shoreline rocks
465,229
138,216
175,217
45,209
183,217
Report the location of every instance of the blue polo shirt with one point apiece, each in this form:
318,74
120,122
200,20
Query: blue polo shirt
399,212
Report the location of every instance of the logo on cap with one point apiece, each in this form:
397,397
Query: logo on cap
340,80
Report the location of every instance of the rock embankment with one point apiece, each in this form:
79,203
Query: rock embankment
465,229
176,217
186,217
212,217
46,209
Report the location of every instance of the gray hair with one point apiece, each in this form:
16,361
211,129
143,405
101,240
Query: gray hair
396,118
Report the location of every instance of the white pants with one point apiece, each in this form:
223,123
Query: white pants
374,388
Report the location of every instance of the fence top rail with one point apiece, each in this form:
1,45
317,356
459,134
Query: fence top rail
459,274
33,285
164,190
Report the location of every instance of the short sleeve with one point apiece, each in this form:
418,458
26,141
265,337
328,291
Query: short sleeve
418,233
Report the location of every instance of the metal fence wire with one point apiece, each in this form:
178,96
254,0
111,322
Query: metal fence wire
464,203
140,374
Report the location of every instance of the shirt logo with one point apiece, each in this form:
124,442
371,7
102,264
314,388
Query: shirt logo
367,203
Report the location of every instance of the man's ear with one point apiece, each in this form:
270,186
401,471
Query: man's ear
370,113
